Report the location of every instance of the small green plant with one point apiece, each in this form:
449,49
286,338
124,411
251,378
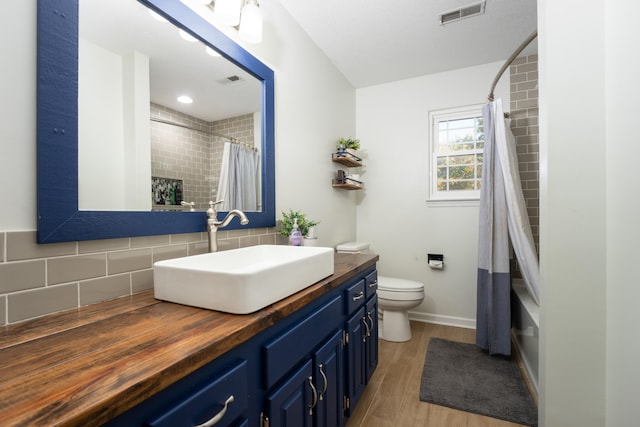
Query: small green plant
354,144
304,224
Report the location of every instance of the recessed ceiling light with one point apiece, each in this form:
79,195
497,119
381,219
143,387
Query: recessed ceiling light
186,36
185,99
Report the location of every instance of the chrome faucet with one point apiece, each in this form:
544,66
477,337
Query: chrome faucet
213,224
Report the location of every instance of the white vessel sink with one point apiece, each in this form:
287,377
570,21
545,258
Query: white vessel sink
241,281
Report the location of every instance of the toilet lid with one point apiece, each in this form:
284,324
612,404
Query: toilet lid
352,247
398,285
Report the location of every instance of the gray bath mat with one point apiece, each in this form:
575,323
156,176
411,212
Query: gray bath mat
464,377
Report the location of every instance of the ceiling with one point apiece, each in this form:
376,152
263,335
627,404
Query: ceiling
379,41
176,67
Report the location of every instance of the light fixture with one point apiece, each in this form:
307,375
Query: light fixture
227,12
184,99
251,22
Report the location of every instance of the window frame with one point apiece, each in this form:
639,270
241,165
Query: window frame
436,117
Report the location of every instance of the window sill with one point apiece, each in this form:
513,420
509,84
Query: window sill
453,203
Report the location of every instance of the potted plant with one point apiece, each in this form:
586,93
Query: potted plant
289,218
351,145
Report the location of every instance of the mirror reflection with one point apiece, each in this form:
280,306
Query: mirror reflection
139,147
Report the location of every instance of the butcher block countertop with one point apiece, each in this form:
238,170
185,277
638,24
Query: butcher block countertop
88,365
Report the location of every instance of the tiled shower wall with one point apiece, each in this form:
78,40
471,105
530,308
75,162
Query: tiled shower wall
524,125
42,279
193,154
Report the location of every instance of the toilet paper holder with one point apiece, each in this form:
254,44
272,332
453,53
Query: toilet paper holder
435,261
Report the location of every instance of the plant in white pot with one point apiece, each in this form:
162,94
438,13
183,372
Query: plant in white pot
296,217
351,145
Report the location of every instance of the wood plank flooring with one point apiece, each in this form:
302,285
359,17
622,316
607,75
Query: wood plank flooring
392,398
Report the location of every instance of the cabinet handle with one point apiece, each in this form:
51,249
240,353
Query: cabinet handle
366,326
359,296
217,417
371,320
324,377
315,396
373,284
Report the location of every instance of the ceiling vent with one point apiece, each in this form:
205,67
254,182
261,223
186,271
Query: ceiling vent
462,12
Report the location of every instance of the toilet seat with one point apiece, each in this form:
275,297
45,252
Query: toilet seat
393,284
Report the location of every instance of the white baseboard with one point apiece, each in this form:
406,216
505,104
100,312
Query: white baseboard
460,322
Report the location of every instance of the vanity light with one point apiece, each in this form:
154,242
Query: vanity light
185,99
227,12
251,22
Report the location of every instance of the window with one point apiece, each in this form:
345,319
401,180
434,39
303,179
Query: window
456,144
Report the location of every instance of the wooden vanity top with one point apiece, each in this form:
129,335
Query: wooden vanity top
86,366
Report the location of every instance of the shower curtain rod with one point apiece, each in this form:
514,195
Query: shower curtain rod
509,61
169,122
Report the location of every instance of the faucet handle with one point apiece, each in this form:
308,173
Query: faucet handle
212,210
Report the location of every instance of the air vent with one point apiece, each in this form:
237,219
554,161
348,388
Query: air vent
461,13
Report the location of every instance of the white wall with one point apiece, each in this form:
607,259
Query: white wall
315,105
623,206
589,208
392,215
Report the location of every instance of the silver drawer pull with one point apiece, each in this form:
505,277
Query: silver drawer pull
373,284
217,417
314,397
367,332
359,296
324,377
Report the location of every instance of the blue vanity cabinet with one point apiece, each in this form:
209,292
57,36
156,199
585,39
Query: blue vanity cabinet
371,343
328,365
291,404
308,369
355,358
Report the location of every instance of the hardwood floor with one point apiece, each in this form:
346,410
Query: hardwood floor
392,397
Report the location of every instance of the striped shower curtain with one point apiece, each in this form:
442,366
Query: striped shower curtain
503,215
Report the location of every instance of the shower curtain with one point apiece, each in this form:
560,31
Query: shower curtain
503,215
238,184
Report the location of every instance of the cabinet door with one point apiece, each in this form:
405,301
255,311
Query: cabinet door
371,347
356,378
290,405
328,365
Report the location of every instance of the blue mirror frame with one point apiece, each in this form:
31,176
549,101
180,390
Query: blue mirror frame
59,219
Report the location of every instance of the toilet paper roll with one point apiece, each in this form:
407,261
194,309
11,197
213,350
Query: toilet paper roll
436,264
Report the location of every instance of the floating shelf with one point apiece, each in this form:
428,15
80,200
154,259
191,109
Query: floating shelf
347,159
348,186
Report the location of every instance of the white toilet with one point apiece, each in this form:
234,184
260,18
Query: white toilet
395,298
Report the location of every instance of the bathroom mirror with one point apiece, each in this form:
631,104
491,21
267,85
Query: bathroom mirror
59,216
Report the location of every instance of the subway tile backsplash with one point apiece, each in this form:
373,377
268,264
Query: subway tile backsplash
36,280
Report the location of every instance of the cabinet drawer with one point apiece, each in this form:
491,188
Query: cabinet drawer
371,284
284,352
209,401
354,297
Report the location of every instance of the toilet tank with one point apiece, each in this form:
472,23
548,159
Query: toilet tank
353,248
